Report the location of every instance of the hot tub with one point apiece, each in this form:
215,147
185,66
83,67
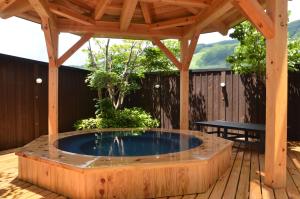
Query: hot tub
125,163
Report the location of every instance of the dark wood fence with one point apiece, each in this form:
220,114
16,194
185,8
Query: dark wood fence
242,99
24,103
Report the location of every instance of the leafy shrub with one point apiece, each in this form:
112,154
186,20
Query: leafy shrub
90,123
108,117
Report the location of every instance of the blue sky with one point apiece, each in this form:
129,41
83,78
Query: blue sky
22,38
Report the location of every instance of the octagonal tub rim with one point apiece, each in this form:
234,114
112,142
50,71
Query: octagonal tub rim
40,149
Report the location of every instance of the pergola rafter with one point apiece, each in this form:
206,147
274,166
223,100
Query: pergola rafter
184,20
4,4
14,8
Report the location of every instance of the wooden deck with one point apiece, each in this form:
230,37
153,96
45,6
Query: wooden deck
242,180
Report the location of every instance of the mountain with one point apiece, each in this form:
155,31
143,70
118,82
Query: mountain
208,56
294,29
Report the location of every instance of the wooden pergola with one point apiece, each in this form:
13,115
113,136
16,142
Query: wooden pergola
184,20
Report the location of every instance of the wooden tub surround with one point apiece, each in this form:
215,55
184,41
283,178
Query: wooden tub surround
81,176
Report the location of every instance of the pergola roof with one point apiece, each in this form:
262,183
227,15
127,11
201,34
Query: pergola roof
138,19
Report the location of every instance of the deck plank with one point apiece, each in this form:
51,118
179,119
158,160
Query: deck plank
267,192
234,177
192,196
243,186
220,185
291,188
255,185
175,197
206,194
280,194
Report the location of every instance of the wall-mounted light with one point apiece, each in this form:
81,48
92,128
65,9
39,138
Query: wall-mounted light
222,84
157,86
39,80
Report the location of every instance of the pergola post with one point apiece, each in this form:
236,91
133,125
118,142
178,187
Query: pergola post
52,102
187,48
184,85
276,96
53,86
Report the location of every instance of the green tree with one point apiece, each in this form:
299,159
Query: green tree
116,67
250,55
113,67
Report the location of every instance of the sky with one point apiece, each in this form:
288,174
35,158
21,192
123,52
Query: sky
22,38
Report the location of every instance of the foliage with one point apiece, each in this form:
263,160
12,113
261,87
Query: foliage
217,50
116,67
108,117
294,55
250,55
113,67
155,60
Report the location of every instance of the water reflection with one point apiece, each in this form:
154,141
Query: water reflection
128,143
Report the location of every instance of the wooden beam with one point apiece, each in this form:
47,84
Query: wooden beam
173,23
74,48
49,28
29,17
192,10
100,8
184,85
146,12
115,9
112,29
222,28
51,38
191,49
256,14
276,96
127,13
184,99
189,3
52,102
215,11
42,8
184,52
15,8
5,4
167,52
70,14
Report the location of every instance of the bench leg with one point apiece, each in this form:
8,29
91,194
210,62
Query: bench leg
225,133
262,143
218,132
246,136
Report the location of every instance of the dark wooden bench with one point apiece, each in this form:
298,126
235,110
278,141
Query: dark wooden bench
258,129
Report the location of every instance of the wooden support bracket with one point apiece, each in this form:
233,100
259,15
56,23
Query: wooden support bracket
257,16
74,48
167,52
